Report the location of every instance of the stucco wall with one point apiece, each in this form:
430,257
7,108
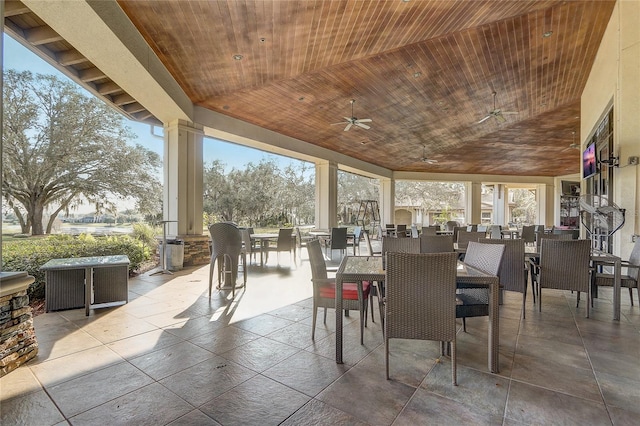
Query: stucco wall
614,80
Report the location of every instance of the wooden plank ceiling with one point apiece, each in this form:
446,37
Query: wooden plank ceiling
422,71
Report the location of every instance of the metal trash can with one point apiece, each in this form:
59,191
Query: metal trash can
175,254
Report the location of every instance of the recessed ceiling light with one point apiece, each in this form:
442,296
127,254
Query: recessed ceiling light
301,98
417,74
547,34
262,39
237,57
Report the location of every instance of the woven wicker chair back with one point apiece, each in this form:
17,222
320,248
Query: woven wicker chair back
564,264
246,241
285,242
464,237
316,260
528,234
436,243
512,270
543,236
429,230
634,259
486,257
400,245
420,293
338,238
225,239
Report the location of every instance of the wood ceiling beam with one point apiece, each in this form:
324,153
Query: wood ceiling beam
91,74
133,108
70,57
41,35
15,8
109,88
122,99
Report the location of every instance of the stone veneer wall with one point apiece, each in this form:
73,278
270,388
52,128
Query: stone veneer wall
196,249
18,342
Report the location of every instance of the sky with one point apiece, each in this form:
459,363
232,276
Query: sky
232,155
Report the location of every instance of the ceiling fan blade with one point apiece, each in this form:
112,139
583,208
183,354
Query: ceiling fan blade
364,126
500,118
510,112
346,129
484,119
364,120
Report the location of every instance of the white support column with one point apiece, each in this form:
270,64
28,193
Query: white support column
183,170
326,195
473,208
545,200
499,204
387,200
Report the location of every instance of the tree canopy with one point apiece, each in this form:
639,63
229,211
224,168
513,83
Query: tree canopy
260,194
62,147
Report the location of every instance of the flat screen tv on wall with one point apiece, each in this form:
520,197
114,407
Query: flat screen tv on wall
589,161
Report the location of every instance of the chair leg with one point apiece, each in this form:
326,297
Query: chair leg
454,372
313,322
539,299
578,300
325,316
386,355
464,324
631,295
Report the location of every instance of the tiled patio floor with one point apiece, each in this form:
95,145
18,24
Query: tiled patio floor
172,356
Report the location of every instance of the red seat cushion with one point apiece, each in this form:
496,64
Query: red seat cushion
349,290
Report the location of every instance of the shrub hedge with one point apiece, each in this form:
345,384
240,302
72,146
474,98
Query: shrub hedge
29,255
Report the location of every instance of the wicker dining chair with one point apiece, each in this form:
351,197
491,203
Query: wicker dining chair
513,272
428,230
226,249
285,243
565,265
534,262
324,290
355,240
464,237
248,248
528,234
337,241
473,301
421,300
394,245
400,245
436,243
628,280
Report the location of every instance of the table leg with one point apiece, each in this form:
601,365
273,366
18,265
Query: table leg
616,289
494,327
88,289
338,320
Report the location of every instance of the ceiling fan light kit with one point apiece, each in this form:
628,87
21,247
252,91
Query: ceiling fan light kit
354,121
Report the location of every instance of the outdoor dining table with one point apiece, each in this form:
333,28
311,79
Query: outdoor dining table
264,239
598,258
370,268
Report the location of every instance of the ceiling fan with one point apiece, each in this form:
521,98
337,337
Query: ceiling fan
426,159
497,113
353,121
573,144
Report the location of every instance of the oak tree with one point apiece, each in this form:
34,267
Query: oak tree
61,145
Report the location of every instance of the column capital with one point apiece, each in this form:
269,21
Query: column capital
184,125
